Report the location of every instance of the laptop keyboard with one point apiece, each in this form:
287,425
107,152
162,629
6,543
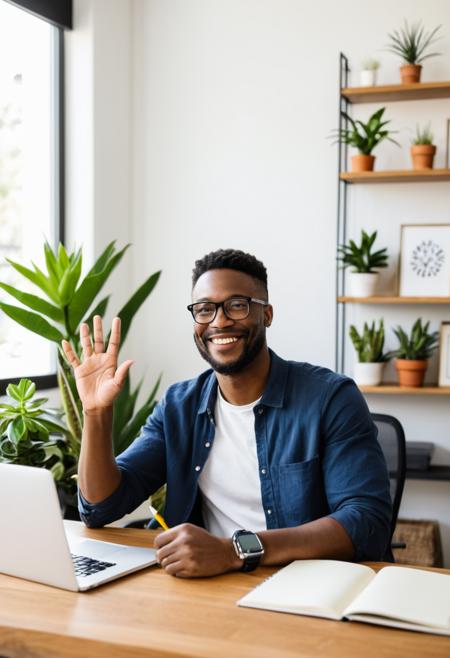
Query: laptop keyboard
86,566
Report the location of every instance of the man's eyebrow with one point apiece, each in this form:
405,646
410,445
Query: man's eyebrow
207,299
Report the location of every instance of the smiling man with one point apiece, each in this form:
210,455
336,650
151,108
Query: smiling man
265,460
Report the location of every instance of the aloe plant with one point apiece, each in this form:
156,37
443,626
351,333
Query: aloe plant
419,345
69,300
365,136
361,257
412,42
423,136
370,343
33,435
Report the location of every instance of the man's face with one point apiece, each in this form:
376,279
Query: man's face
247,336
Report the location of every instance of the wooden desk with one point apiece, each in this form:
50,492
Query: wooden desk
151,614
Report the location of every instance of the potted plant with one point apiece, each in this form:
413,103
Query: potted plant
64,300
363,278
369,348
368,74
411,44
365,137
422,149
33,435
413,353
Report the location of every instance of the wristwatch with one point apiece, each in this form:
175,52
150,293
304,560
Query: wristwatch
248,548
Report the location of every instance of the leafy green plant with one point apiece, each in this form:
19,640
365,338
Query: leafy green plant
369,344
423,135
412,42
419,345
365,136
361,257
370,64
32,435
69,300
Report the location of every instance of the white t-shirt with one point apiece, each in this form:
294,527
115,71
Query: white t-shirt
229,482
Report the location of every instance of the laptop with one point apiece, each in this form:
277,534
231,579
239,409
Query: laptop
35,544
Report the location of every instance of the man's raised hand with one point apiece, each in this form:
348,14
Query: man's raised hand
97,376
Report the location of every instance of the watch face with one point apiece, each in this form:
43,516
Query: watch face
249,543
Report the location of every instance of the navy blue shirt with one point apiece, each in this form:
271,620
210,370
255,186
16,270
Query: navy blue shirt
317,451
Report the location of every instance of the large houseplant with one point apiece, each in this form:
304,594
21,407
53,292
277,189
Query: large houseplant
369,348
364,137
413,352
365,263
411,43
67,300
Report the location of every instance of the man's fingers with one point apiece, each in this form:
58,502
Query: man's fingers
70,354
122,372
85,340
114,339
99,345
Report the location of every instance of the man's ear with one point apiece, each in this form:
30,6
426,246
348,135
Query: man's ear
268,315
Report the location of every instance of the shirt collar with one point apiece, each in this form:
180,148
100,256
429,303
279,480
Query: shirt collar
274,392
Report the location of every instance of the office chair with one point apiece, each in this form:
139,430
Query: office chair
391,438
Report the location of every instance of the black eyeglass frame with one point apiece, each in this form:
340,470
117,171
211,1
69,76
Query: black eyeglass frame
218,305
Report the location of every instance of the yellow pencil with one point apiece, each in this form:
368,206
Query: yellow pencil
158,517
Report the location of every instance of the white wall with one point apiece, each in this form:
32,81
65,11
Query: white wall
230,106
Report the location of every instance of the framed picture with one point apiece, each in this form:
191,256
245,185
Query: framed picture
444,355
424,260
447,145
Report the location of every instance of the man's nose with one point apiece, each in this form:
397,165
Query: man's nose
221,319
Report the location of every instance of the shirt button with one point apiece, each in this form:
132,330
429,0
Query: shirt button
207,444
269,511
263,471
197,468
260,410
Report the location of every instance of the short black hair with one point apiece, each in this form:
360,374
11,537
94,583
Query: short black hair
230,259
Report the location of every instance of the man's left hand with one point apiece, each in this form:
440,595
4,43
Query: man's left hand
189,551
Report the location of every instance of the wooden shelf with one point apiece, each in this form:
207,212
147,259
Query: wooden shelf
395,389
392,299
431,473
410,92
396,176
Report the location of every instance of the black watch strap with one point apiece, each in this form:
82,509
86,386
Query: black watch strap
250,563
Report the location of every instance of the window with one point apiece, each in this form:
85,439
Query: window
31,174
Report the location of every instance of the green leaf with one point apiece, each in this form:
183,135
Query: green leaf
35,303
127,313
13,392
52,265
16,430
33,322
27,388
37,278
89,288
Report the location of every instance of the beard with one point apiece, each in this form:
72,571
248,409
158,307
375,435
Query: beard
249,353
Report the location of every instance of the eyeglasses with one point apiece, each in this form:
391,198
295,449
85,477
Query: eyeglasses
234,308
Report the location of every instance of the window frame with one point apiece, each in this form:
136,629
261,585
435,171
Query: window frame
57,177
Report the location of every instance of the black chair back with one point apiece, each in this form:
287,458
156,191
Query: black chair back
391,438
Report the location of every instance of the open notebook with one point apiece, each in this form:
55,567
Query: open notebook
403,597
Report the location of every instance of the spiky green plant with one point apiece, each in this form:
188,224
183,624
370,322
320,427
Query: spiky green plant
370,343
423,135
33,435
412,42
370,64
361,257
419,345
69,300
365,136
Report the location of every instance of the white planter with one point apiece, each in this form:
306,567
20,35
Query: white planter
368,78
362,284
368,374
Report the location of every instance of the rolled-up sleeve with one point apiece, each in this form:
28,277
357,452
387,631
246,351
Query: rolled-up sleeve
143,471
355,475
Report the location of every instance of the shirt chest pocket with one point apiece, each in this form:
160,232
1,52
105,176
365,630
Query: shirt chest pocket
301,492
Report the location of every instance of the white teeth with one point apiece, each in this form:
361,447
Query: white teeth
223,341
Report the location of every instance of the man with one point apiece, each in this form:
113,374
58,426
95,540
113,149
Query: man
285,451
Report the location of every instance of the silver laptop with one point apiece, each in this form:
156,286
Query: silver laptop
36,546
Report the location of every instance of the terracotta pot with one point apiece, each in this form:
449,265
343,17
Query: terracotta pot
423,155
363,162
411,372
410,73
